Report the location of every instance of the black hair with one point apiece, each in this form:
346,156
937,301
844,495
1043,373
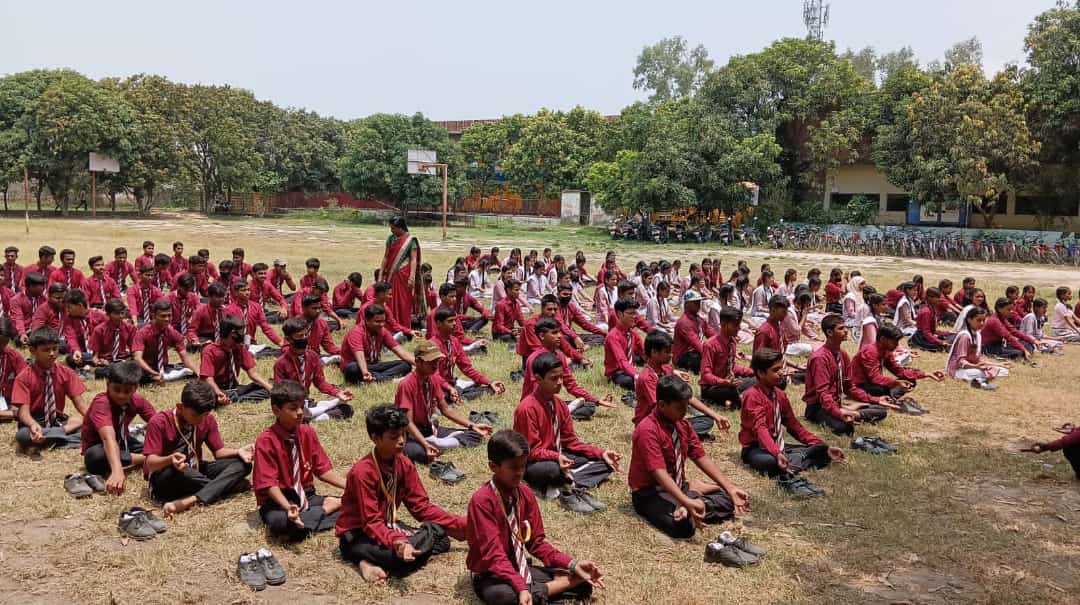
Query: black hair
199,397
94,259
506,445
545,324
564,287
34,279
1061,292
216,290
728,315
46,251
238,252
320,284
259,267
1038,303
43,337
933,293
399,222
7,328
196,260
311,300
57,288
75,297
778,301
119,250
548,299
287,391
446,289
162,260
830,322
147,243
161,305
125,372
186,280
312,263
891,333
657,341
356,278
544,363
624,286
230,324
383,418
442,314
625,304
1001,303
672,388
116,306
373,311
294,325
382,286
763,359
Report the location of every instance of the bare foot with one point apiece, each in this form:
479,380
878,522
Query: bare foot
331,504
170,510
372,573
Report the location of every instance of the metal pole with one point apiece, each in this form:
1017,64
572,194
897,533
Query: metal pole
26,196
93,195
445,169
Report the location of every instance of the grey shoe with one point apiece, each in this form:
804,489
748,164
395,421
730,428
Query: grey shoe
799,487
272,570
446,472
742,544
96,483
910,407
629,399
250,572
982,384
75,484
136,526
572,501
867,445
882,444
151,519
588,498
727,555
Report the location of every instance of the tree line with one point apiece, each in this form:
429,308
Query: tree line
783,118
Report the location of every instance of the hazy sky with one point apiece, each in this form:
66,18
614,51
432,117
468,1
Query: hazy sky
459,60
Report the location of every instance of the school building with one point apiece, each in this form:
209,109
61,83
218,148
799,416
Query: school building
895,206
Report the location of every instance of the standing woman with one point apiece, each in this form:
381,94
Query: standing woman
401,267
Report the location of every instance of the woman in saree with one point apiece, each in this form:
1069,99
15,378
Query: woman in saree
401,267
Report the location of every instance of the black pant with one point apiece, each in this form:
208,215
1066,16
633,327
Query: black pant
382,371
918,341
55,436
494,590
429,540
97,464
475,391
658,507
800,458
1072,454
593,340
835,307
345,312
871,414
247,392
1003,351
719,395
101,372
623,380
87,359
702,425
504,337
689,361
210,482
585,472
474,324
877,390
315,518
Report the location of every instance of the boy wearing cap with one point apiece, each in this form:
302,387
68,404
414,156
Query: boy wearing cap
691,332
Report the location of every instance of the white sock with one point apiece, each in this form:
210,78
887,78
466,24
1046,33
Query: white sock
320,418
575,404
248,557
474,346
444,443
400,338
329,359
321,407
551,493
463,383
263,553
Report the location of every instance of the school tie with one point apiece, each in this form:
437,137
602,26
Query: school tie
183,317
116,344
11,278
67,278
217,321
374,351
50,399
521,557
121,430
3,309
33,305
555,426
145,304
161,353
297,483
233,370
731,359
83,329
778,423
101,290
839,375
301,363
680,460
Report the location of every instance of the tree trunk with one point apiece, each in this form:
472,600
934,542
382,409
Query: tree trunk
37,196
112,201
64,203
5,199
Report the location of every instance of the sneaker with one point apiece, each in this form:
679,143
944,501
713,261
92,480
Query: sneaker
446,472
865,444
596,505
742,544
485,417
910,407
136,526
727,555
272,570
630,400
151,519
881,443
982,384
75,484
517,375
250,572
799,487
96,483
572,501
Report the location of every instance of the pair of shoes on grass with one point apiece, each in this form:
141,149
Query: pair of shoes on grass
577,500
730,551
258,569
873,445
485,417
83,485
798,486
446,472
140,524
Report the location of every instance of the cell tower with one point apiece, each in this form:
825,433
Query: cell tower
816,18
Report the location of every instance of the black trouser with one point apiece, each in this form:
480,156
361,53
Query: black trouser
87,359
429,540
55,436
1072,454
689,361
593,340
1003,351
210,482
722,395
504,337
273,317
473,324
332,323
702,425
474,391
101,372
247,392
876,390
623,380
800,458
918,341
586,473
947,318
382,371
494,590
315,518
345,312
202,340
658,507
871,414
98,464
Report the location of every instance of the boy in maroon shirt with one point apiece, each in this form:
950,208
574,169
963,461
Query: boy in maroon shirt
184,301
504,527
570,313
368,531
828,382
39,394
657,365
178,264
465,301
1069,445
346,293
151,344
147,258
142,296
867,368
691,332
319,329
107,446
241,270
663,442
528,342
622,344
253,318
163,277
318,290
222,361
67,274
199,270
111,340
25,304
381,294
79,324
288,458
475,384
508,321
211,270
766,413
362,347
51,315
557,456
206,321
584,405
448,300
722,380
279,277
11,274
422,394
46,254
263,291
120,269
311,275
173,450
300,363
11,363
98,286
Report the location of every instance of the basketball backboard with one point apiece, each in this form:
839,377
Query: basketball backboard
422,161
103,163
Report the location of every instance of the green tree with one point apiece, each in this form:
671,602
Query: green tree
670,69
17,94
485,148
865,62
891,62
224,124
547,157
1052,84
299,150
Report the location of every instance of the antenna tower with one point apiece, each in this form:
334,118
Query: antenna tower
816,18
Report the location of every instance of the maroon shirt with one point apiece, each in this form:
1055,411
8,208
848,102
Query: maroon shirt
183,310
273,460
568,381
288,366
263,292
139,299
421,397
1070,440
12,276
361,342
48,317
254,318
998,332
758,420
926,324
29,388
225,366
536,422
100,290
392,323
206,320
645,390
11,364
163,437
459,330
319,337
121,271
718,362
155,344
455,356
654,449
827,381
571,314
345,294
72,278
869,363
770,336
77,332
528,341
105,343
507,315
691,332
22,308
103,412
620,346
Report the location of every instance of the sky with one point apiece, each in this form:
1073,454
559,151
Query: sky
461,60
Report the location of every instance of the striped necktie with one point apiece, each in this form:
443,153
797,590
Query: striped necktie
778,423
680,459
297,483
50,399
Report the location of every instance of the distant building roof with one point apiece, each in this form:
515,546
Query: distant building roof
456,127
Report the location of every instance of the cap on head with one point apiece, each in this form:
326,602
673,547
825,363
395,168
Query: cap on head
428,351
692,296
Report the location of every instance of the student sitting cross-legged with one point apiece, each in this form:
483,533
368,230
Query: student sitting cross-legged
39,394
107,446
288,458
766,413
658,346
505,527
222,361
868,366
422,395
621,344
151,343
455,355
557,457
174,465
298,362
362,347
584,404
368,530
664,441
722,380
11,363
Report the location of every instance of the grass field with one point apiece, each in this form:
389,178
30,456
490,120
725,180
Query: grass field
960,516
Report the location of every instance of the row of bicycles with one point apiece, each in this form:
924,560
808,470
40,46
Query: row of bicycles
661,232
938,245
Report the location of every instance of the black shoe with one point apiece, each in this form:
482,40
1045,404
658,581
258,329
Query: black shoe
982,384
630,399
881,443
250,572
485,417
517,376
76,485
865,444
572,501
727,555
910,407
272,570
799,487
151,519
96,483
446,472
742,544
